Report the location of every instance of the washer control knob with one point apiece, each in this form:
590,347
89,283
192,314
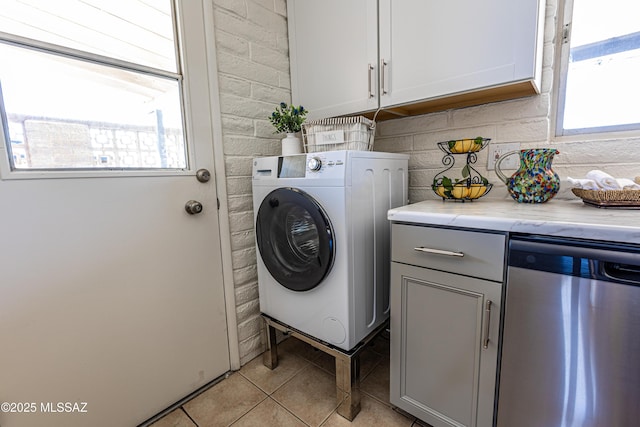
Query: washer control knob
314,164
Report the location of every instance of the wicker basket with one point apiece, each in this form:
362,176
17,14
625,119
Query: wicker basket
341,133
609,198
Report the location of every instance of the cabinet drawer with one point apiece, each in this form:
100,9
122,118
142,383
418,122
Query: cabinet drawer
470,253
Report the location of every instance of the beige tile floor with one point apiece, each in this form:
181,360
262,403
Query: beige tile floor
299,392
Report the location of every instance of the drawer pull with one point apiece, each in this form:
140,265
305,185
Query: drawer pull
487,322
438,251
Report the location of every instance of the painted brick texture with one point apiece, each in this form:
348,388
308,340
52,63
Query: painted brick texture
253,77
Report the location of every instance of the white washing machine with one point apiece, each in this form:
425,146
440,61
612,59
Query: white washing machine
322,238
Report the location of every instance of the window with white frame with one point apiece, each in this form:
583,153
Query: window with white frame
91,84
600,67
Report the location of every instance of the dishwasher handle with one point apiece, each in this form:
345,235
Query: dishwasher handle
625,273
561,247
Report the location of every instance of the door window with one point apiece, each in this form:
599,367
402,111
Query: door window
91,84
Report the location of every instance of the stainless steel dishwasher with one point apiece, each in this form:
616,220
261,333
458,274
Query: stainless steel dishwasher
571,335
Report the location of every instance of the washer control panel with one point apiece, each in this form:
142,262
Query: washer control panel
326,164
321,165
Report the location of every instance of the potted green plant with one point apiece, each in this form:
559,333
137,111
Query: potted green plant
288,119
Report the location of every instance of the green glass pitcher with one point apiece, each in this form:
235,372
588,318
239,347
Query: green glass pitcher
534,181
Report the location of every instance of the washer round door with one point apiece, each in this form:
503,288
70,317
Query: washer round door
295,239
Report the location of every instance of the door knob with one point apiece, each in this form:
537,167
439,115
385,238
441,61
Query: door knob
193,207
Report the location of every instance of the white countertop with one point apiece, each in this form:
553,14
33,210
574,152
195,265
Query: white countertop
563,218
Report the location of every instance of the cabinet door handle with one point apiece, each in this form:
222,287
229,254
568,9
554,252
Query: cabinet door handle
487,323
369,72
383,66
438,251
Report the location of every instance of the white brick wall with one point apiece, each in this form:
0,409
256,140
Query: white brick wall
253,77
527,120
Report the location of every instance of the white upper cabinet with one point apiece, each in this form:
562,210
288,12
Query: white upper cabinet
333,48
440,48
412,56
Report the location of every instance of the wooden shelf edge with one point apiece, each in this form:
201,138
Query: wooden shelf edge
467,99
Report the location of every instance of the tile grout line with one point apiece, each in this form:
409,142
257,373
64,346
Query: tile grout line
307,364
189,416
286,409
250,409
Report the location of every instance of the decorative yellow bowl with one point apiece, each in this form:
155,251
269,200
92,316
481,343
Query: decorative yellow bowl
463,190
460,191
466,145
477,190
462,146
440,191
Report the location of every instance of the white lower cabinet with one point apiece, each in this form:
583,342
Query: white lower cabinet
444,326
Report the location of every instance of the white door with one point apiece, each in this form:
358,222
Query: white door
111,296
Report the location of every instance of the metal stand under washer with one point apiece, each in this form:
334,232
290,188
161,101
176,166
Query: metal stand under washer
347,363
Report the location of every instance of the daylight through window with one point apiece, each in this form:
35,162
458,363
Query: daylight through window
90,84
601,64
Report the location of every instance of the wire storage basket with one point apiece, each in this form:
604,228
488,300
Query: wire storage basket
340,133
